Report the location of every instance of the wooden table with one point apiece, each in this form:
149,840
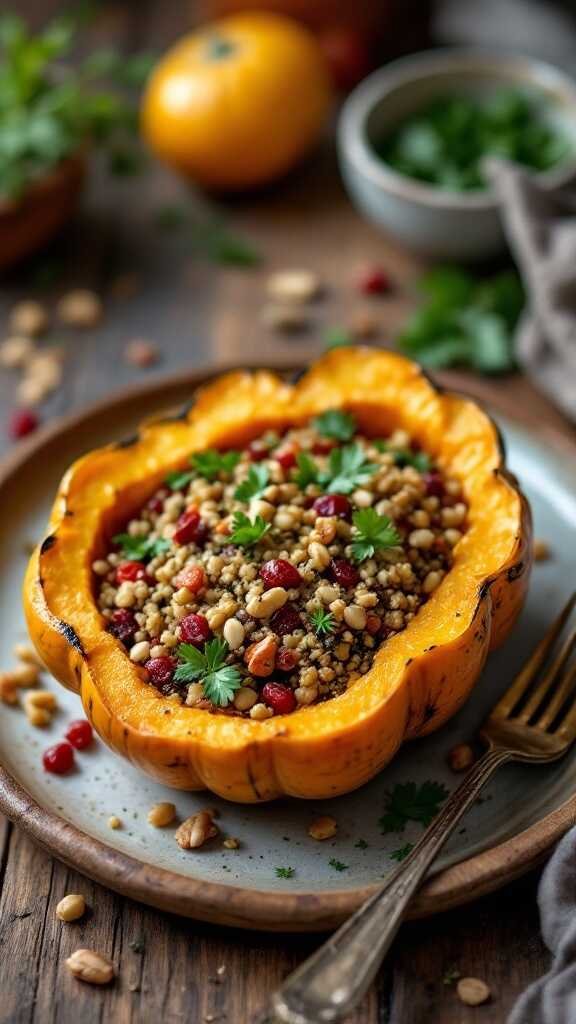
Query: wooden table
197,314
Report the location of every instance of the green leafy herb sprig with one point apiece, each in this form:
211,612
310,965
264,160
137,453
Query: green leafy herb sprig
348,468
323,622
140,549
50,110
373,533
285,872
208,464
408,801
406,456
245,531
465,321
220,681
254,485
336,424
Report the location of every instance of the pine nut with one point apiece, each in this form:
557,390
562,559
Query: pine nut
161,814
266,604
91,967
323,828
71,907
233,633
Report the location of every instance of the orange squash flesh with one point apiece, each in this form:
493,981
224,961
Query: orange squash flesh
419,677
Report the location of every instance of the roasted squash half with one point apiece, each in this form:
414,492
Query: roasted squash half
419,677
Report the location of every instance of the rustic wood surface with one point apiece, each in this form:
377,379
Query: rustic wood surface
169,968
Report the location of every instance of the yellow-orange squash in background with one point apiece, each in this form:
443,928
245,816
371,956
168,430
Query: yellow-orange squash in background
419,677
239,102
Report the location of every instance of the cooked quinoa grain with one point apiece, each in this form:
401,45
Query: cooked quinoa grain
255,582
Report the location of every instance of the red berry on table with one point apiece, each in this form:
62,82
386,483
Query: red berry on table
130,572
286,659
187,526
333,505
285,620
373,281
280,573
22,423
343,572
123,625
58,759
279,697
161,670
194,629
79,733
192,577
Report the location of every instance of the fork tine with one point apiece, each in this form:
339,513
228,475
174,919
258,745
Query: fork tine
560,697
528,672
548,680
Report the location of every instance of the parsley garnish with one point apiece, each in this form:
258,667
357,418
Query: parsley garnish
402,852
140,549
406,457
338,865
337,424
210,463
410,802
308,471
246,532
323,622
179,479
220,681
373,533
361,844
348,468
254,485
285,872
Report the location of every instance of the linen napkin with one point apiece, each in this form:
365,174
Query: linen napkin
540,226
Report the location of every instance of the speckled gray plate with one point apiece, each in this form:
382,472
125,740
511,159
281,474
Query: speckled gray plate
522,813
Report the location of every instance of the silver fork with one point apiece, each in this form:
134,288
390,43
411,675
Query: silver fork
534,723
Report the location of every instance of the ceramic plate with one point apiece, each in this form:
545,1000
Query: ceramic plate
521,813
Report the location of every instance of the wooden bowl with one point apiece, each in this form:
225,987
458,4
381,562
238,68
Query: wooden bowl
26,224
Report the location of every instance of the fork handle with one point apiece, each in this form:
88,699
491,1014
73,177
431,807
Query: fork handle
327,986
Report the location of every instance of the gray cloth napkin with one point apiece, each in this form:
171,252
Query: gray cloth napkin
541,229
552,999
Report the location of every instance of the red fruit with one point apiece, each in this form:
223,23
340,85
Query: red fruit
156,503
192,576
161,670
434,484
58,759
22,422
285,620
79,733
279,697
348,55
123,625
287,456
373,624
373,281
286,659
194,629
258,450
333,505
130,572
187,526
323,446
343,572
280,573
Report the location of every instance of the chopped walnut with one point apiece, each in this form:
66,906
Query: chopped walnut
195,831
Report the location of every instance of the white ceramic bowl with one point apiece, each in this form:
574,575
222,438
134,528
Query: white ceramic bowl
430,220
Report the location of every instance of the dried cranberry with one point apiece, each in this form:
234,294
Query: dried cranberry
333,505
434,484
343,572
187,526
156,503
22,422
286,659
130,572
280,573
79,733
323,446
258,450
194,629
58,759
373,281
192,577
123,625
279,697
287,456
161,670
373,624
285,620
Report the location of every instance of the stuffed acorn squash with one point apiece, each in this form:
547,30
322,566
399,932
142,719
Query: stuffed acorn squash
267,594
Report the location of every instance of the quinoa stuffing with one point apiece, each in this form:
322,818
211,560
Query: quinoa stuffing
256,582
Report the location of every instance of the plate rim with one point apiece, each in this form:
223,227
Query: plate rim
233,905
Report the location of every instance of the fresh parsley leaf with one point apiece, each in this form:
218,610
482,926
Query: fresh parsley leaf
246,532
254,485
451,975
361,844
211,463
220,681
285,872
179,479
140,549
337,424
338,865
323,622
420,460
212,239
409,802
373,533
308,471
348,469
402,852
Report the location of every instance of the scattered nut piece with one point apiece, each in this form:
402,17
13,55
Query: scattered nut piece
323,828
195,831
8,690
28,318
161,814
231,843
40,699
297,286
91,967
114,822
25,675
80,308
541,551
461,757
38,717
141,353
261,656
71,907
15,351
473,991
27,654
284,318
